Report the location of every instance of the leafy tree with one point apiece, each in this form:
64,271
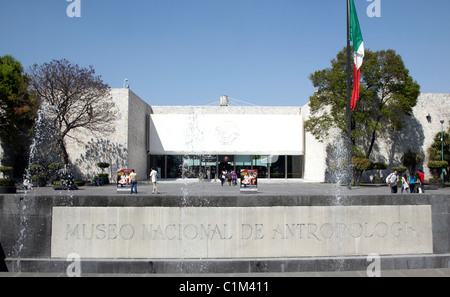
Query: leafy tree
387,93
73,99
435,149
103,165
18,111
359,166
411,159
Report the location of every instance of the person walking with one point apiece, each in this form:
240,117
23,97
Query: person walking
233,174
133,181
405,185
422,180
229,178
412,183
392,181
153,179
222,177
419,184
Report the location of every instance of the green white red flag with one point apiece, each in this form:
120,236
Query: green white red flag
358,51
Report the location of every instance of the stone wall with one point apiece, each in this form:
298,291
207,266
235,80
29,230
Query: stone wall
418,133
358,220
437,107
113,148
123,149
315,154
137,130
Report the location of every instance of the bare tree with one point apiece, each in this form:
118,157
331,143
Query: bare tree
73,98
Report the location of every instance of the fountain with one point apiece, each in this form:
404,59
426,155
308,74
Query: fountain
200,232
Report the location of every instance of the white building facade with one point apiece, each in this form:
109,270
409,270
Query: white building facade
201,141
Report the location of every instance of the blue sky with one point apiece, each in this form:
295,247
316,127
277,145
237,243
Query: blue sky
189,52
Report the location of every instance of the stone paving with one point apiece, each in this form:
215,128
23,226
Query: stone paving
265,187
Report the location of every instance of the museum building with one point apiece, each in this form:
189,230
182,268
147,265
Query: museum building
201,141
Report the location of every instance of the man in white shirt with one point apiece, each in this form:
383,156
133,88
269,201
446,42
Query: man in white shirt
153,179
133,181
392,180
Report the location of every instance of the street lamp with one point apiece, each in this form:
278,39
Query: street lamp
442,149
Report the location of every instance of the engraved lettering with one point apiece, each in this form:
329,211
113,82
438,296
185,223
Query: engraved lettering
168,236
246,231
112,229
190,232
355,230
86,234
127,232
326,230
383,226
73,232
312,228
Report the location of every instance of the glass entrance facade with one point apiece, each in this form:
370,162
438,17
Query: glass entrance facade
207,166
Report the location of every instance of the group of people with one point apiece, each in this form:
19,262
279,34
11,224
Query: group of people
414,183
153,179
229,177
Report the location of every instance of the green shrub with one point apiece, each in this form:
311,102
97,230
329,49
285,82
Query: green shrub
6,182
400,169
104,177
39,179
55,166
103,165
379,166
437,164
35,168
6,170
361,163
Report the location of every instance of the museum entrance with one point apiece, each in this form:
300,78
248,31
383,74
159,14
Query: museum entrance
208,167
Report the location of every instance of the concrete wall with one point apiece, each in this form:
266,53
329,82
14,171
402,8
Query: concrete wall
315,154
110,148
438,107
221,131
137,130
32,244
418,133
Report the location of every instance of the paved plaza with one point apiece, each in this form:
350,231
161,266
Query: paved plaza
206,188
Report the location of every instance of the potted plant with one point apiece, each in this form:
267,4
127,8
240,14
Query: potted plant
7,185
379,166
103,176
436,168
38,175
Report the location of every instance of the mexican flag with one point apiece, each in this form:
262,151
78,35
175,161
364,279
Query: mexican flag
358,48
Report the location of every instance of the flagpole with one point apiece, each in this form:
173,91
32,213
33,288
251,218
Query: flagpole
349,96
